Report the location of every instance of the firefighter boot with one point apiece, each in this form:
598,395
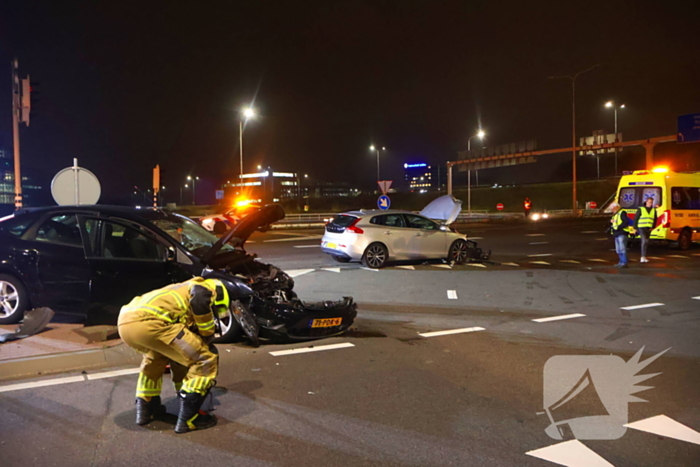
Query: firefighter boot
148,410
190,418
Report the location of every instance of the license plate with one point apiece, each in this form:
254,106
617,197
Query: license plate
326,323
331,245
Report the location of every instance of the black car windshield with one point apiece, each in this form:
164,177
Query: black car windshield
195,238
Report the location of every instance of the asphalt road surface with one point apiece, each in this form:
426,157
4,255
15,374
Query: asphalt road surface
465,365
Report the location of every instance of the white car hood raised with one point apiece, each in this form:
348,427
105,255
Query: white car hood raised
445,208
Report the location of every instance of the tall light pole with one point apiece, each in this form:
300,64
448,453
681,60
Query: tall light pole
574,208
608,105
373,148
246,114
479,135
194,188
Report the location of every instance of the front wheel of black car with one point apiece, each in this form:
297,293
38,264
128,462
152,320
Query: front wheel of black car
13,299
376,256
459,252
229,329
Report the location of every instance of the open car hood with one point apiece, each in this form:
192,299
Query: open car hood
265,215
445,208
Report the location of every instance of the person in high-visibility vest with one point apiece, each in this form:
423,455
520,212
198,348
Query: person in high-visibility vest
527,205
175,325
644,222
620,227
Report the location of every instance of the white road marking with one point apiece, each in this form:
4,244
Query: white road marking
598,260
41,384
544,263
475,265
444,266
451,331
407,267
602,239
299,272
452,294
679,256
539,243
589,231
696,298
557,318
307,246
541,254
369,269
294,239
637,307
665,426
331,269
653,257
510,264
534,235
570,454
694,254
111,374
319,348
569,261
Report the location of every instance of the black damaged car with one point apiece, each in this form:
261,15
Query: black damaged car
91,260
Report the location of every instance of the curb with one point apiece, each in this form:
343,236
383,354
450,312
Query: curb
116,355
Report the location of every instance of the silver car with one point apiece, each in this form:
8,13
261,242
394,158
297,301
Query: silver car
376,237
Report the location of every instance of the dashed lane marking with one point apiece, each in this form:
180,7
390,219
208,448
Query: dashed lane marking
320,348
535,235
696,298
589,231
639,307
299,272
370,269
654,257
452,294
407,267
444,266
475,265
541,254
571,454
602,239
678,256
69,379
543,263
451,331
573,261
307,246
598,260
667,427
558,318
511,264
539,243
331,269
112,374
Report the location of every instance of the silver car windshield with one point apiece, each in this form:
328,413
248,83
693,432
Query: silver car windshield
195,238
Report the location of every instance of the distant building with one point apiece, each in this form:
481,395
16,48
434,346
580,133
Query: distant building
419,177
30,190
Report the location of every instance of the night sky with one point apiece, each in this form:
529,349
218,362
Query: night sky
126,85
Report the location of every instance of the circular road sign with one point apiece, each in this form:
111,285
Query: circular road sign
74,186
383,202
593,204
499,206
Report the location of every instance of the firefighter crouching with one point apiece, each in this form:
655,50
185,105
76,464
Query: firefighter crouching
174,325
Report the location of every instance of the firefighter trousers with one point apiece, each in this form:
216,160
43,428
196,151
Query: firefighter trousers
194,364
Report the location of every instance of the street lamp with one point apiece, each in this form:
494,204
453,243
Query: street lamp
479,135
372,148
194,188
608,105
247,113
573,131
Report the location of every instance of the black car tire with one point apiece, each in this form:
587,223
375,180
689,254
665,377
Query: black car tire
13,299
459,252
219,228
340,259
231,331
685,239
376,256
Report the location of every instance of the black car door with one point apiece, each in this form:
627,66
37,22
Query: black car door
126,259
56,245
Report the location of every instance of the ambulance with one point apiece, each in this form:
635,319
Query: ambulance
676,198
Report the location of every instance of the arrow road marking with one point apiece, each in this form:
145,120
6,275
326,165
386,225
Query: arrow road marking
637,307
407,267
475,265
319,348
665,426
569,261
571,454
598,260
557,318
544,263
510,264
541,254
678,256
331,269
451,331
444,266
298,272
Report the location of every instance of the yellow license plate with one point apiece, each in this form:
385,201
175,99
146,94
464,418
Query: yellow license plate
326,323
331,245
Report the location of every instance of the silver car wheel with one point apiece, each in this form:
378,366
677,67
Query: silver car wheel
375,256
9,299
459,252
